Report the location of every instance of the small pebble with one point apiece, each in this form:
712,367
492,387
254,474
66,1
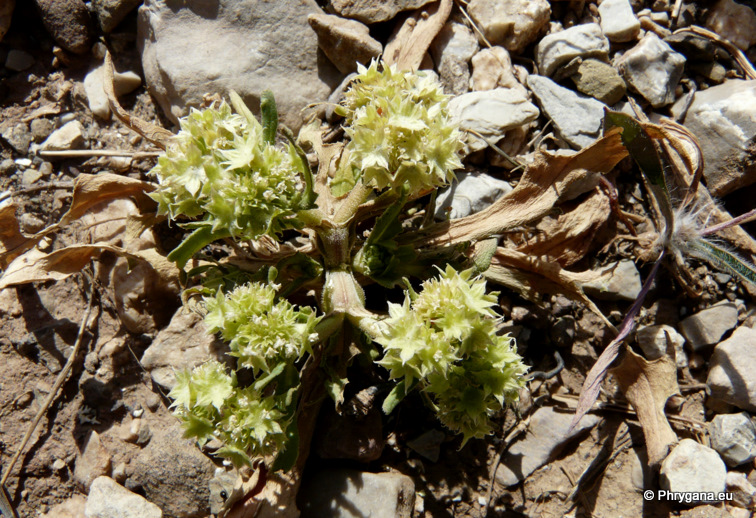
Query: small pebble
18,60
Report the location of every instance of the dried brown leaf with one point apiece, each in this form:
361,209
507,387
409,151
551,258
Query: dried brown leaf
530,275
409,43
38,266
155,134
647,385
11,237
89,191
568,237
734,51
550,179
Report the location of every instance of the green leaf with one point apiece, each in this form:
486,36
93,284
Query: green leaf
396,395
643,150
261,383
269,117
723,260
196,427
345,178
195,242
482,259
236,455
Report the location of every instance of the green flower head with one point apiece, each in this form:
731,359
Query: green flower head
400,130
444,339
220,169
261,331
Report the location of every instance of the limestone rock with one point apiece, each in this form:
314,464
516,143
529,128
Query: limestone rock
734,21
345,42
491,113
374,11
70,136
108,499
513,24
580,41
734,437
452,50
68,22
94,461
547,437
471,193
197,48
577,118
492,68
708,326
693,467
653,341
618,22
184,344
112,12
617,281
653,70
343,493
743,492
123,83
732,377
723,118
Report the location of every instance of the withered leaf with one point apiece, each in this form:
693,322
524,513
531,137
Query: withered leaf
550,179
647,385
410,42
11,237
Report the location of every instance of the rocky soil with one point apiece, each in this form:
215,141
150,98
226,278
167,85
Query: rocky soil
526,75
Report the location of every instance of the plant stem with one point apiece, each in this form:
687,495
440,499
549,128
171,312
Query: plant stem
357,196
743,218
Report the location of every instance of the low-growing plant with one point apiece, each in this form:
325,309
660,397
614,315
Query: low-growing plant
225,177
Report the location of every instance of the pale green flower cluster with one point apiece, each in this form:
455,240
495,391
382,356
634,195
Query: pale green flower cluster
219,168
212,406
400,130
444,339
262,332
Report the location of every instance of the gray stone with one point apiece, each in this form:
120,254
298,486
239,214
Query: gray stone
108,499
513,24
68,22
345,42
577,118
734,437
70,136
723,118
652,69
491,113
93,462
708,326
428,444
171,472
123,83
112,12
196,48
618,22
653,341
7,166
618,281
732,377
343,493
18,60
693,467
743,492
183,344
41,129
492,68
374,11
600,81
30,176
735,21
18,136
471,193
580,41
452,50
546,438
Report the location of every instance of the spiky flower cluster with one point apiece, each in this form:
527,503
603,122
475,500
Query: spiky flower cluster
219,168
212,406
400,130
445,339
262,332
